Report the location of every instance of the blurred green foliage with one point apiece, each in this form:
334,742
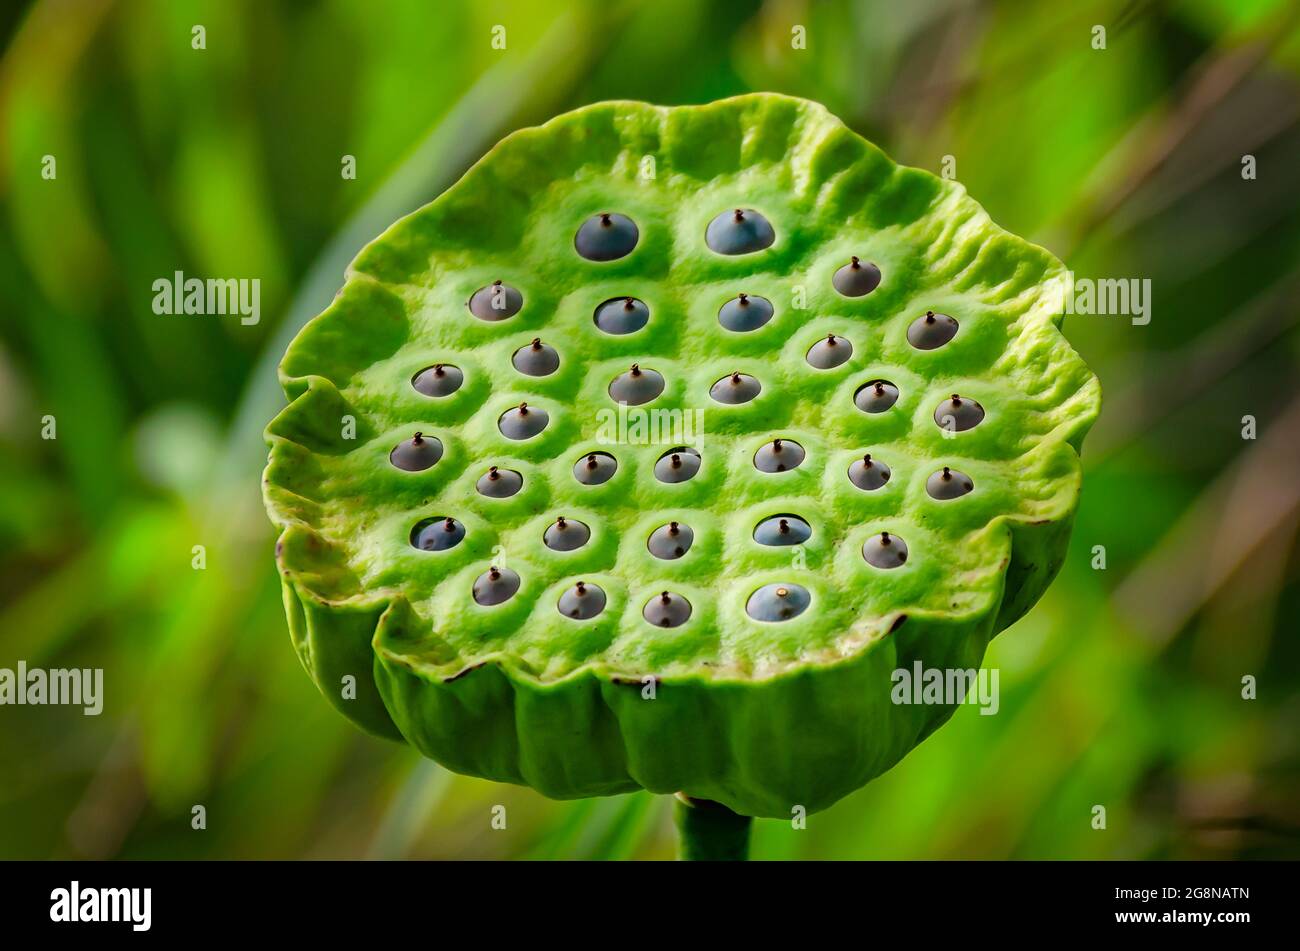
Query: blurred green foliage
1122,689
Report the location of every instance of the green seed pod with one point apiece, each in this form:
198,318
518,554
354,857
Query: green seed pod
773,675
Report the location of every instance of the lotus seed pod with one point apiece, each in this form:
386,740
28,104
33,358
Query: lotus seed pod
497,301
778,602
499,483
958,414
438,380
885,551
595,468
742,231
638,385
782,530
876,396
437,534
856,279
417,453
523,421
566,534
745,312
931,331
868,474
536,359
677,465
829,352
582,602
606,237
671,541
777,689
496,586
667,610
779,455
735,388
622,315
948,484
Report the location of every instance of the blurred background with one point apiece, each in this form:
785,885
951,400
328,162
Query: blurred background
1122,689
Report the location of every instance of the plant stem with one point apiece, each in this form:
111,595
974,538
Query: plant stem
710,832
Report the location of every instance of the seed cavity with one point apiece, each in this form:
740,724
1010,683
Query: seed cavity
437,534
595,468
779,455
829,352
523,421
667,610
536,359
778,602
781,530
499,483
677,465
875,396
884,551
735,389
496,301
958,414
742,231
744,313
417,453
566,534
856,279
441,379
670,541
931,331
868,474
582,602
607,236
622,315
636,386
948,484
495,586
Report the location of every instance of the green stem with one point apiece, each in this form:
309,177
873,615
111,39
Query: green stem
710,832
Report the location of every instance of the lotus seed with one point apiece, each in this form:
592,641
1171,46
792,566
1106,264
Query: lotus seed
667,610
582,602
948,484
931,331
856,279
876,396
782,530
736,388
677,465
745,312
566,534
536,359
829,353
437,534
523,422
868,474
958,414
622,315
636,386
495,586
499,483
670,541
777,602
595,468
417,453
497,301
778,456
606,237
441,379
742,231
884,551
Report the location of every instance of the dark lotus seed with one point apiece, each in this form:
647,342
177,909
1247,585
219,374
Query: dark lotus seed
745,313
582,601
606,237
677,465
499,483
856,279
495,586
958,414
868,474
536,359
948,484
437,534
739,232
667,610
417,453
523,422
782,530
829,353
931,331
777,602
736,388
778,456
876,396
636,386
595,468
566,534
497,301
441,379
622,315
884,551
670,541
